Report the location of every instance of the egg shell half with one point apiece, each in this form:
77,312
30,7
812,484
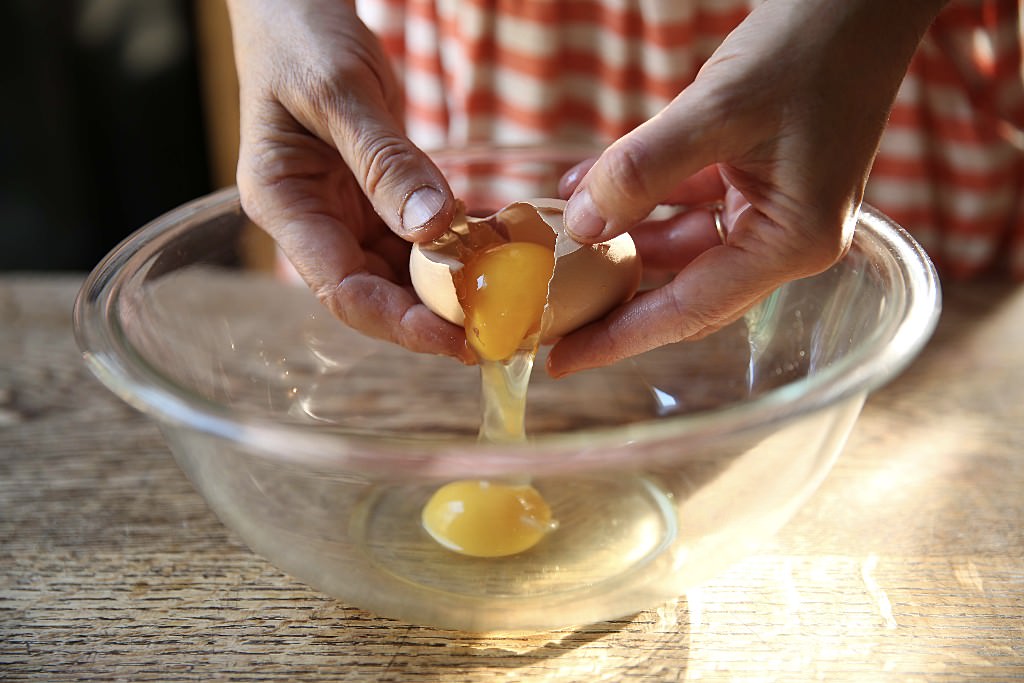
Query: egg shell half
588,280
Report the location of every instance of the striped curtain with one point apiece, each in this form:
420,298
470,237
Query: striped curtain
951,163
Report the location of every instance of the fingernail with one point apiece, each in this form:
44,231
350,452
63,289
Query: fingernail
569,181
582,218
420,207
553,371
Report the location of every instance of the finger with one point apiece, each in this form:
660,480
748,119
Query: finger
641,169
703,187
382,309
393,253
672,243
689,307
350,284
695,303
571,178
405,187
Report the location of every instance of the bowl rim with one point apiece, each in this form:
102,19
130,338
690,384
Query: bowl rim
122,369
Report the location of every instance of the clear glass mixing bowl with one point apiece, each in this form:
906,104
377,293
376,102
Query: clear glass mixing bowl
319,446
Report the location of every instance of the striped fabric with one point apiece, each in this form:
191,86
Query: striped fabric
951,163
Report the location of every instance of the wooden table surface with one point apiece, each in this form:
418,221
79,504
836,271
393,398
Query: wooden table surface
907,565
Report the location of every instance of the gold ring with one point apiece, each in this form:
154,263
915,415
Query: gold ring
716,213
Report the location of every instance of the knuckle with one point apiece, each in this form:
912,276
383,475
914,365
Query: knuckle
690,318
702,320
381,162
326,98
801,247
324,86
249,195
822,254
251,207
338,299
626,171
261,168
327,295
824,244
261,164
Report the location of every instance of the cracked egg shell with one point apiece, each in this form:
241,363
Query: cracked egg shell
587,282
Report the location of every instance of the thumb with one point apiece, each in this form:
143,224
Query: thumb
405,187
639,171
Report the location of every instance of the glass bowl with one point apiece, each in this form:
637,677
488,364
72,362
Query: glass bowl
319,447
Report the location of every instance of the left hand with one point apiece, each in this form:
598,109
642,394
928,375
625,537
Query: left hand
781,125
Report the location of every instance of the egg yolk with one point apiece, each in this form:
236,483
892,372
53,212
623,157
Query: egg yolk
503,290
487,519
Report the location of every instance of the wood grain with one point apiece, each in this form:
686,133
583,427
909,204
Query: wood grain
907,565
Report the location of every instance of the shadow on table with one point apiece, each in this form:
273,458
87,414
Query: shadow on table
653,643
969,304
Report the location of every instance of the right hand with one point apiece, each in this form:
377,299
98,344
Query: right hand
326,170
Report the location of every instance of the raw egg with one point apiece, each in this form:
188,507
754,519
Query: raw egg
512,280
584,282
487,519
503,289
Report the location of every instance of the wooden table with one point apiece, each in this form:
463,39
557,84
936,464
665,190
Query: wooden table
907,565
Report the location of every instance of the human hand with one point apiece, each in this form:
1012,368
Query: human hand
326,170
781,125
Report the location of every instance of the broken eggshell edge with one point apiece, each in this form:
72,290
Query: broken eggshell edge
587,282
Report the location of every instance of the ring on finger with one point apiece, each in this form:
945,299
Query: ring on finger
716,214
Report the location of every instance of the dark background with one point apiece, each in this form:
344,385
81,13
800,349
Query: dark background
101,127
